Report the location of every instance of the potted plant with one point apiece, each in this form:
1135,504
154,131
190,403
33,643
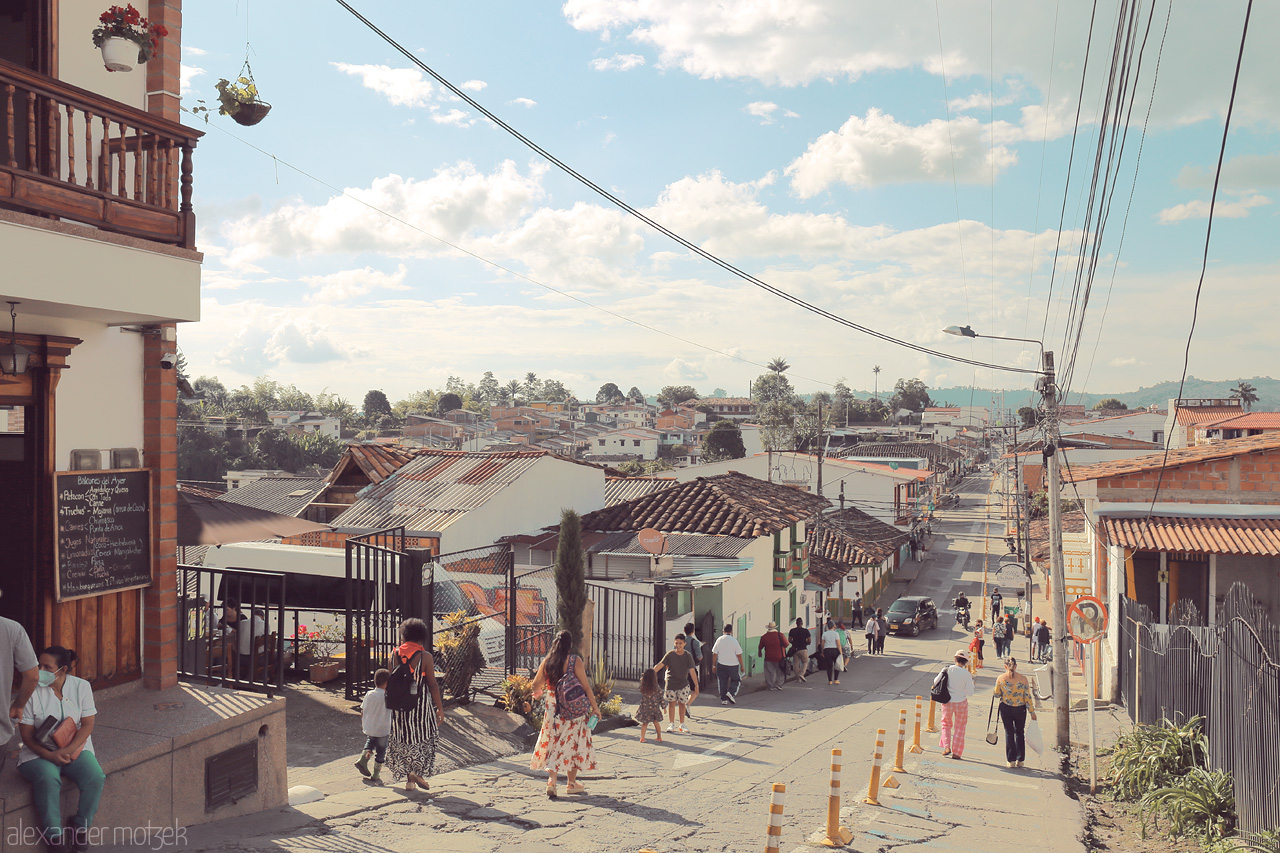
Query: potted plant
321,645
239,100
126,38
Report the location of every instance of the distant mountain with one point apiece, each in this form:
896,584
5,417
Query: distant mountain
1160,395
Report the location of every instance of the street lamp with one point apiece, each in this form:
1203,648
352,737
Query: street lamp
1053,485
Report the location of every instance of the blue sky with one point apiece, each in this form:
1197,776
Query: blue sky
807,141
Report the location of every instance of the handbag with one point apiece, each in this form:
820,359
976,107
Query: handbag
940,692
65,733
993,735
839,664
571,699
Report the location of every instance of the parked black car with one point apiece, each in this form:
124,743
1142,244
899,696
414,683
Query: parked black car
911,614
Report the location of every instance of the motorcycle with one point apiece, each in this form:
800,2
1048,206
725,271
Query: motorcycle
962,616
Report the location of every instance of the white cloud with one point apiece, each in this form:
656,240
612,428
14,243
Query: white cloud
187,73
679,371
473,85
265,338
1246,172
1199,209
879,149
618,62
403,87
345,285
194,51
457,118
523,102
1121,361
763,110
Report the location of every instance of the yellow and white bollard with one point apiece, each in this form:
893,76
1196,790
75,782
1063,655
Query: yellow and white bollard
915,741
775,818
933,717
902,741
837,835
874,788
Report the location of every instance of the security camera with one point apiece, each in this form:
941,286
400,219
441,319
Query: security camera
168,360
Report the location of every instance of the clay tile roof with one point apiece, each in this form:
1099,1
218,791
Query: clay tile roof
850,538
1186,456
1072,522
1249,420
1255,537
379,461
730,504
1200,414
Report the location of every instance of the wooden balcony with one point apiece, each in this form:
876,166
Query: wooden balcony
68,153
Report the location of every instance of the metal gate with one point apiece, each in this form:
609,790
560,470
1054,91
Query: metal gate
384,587
623,629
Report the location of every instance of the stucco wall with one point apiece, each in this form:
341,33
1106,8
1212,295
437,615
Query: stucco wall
80,63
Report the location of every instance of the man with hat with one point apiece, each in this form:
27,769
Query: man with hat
955,714
773,645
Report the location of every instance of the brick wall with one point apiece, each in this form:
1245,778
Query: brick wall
160,449
1256,474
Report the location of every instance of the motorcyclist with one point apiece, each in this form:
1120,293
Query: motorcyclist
962,610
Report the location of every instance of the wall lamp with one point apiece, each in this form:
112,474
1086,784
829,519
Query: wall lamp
14,357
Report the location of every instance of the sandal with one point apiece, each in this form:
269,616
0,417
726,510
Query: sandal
551,791
575,789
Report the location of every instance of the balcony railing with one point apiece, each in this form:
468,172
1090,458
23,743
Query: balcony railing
69,153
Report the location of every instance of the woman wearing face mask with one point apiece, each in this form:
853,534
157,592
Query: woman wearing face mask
61,696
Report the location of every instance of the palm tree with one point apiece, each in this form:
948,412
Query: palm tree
1246,393
513,389
531,385
779,365
876,371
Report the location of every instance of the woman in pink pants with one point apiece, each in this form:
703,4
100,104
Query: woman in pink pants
955,714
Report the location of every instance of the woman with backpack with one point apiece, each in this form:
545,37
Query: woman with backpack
413,697
564,744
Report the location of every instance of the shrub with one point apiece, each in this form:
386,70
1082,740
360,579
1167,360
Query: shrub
1199,803
460,655
1152,757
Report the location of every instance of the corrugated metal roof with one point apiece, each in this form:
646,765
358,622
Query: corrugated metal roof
285,495
619,489
682,544
1185,456
1255,537
902,449
436,489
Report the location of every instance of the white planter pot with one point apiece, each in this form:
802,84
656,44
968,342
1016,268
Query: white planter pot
119,54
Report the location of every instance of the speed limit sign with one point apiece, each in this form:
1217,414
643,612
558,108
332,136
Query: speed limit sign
1087,619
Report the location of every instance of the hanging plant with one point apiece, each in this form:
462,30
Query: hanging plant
122,33
238,99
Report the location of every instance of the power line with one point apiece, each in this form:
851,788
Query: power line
693,247
1204,262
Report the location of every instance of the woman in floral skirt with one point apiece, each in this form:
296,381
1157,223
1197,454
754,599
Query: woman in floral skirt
411,750
564,745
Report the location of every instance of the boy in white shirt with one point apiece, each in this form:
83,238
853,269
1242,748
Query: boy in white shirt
375,720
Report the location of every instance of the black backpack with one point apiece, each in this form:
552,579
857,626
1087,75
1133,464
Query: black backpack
941,691
401,692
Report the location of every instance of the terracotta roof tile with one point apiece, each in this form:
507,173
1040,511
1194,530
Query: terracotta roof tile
1186,456
850,538
1256,537
1072,522
1188,415
920,449
1249,420
727,504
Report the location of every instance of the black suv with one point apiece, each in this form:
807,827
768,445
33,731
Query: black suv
911,614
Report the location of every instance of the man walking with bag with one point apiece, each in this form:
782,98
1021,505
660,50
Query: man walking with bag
955,710
800,639
773,645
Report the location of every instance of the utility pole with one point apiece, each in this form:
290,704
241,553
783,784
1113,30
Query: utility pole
817,521
1057,569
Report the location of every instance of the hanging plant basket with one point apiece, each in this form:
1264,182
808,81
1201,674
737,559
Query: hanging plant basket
251,113
119,54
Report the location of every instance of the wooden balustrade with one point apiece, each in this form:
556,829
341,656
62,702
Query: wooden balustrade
66,152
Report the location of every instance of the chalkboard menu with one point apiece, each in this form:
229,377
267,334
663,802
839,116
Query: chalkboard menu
104,531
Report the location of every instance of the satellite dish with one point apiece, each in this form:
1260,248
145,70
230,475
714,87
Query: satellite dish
653,541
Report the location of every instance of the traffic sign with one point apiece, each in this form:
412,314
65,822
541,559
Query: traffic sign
1087,619
1011,574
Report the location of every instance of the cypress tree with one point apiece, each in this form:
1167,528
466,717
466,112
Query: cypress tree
571,576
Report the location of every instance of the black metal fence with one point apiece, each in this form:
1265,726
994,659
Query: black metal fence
622,629
1230,674
246,653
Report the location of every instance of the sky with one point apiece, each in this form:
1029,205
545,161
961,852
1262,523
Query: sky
902,165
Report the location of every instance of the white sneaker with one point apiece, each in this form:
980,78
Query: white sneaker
732,701
671,727
682,730
724,701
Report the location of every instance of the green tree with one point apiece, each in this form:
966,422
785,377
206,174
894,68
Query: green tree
447,403
1110,404
771,387
571,576
673,395
487,390
532,387
777,421
778,365
513,390
554,389
842,402
376,405
1028,415
876,371
910,394
723,441
1246,394
608,393
635,396
419,402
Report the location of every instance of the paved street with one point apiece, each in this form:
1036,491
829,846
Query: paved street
709,790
